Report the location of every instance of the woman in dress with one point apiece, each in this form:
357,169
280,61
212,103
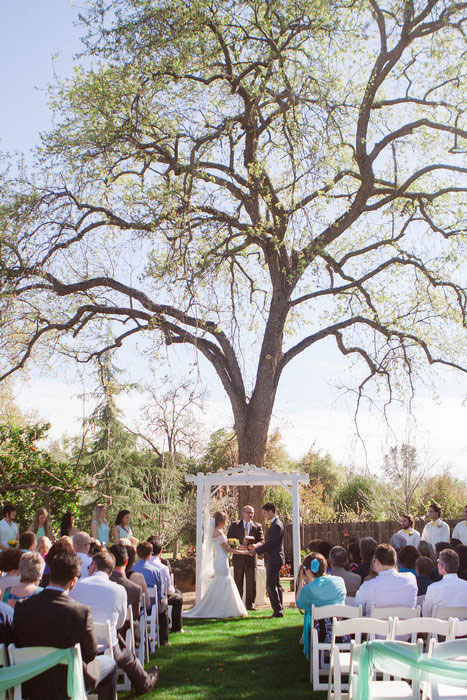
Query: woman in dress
43,546
41,524
67,525
221,598
318,589
99,527
31,567
122,528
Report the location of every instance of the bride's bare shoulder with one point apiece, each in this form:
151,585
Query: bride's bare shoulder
217,533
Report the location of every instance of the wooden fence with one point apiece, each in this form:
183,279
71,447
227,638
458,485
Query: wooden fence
339,533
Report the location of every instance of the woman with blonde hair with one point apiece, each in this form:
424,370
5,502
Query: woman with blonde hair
99,526
43,545
31,568
41,525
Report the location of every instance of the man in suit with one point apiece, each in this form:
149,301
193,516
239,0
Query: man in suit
245,567
53,619
133,591
273,548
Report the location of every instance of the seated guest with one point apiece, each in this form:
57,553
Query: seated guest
9,564
134,575
61,546
367,549
338,559
174,597
31,566
407,558
95,547
461,550
313,545
108,602
81,545
354,556
423,567
318,589
43,545
397,541
53,619
408,532
133,591
324,549
439,547
460,531
451,591
153,578
6,624
67,525
427,550
27,542
390,587
41,525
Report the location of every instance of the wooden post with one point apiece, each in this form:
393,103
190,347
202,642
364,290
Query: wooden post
199,531
296,524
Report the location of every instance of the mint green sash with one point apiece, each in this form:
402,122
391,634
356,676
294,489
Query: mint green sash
400,661
14,675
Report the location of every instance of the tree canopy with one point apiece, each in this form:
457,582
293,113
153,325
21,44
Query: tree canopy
248,178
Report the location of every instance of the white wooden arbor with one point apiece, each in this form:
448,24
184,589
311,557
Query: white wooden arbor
243,475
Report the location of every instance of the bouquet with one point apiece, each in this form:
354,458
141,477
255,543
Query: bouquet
13,543
233,542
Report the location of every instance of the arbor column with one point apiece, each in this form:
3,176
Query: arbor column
296,524
199,531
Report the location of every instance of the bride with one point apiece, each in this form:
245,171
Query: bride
221,599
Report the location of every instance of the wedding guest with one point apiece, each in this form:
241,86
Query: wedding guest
9,531
81,545
390,587
451,591
62,546
367,549
133,591
122,527
27,542
460,531
426,550
135,576
461,550
67,525
99,526
43,545
31,566
436,530
153,579
313,545
439,547
9,564
6,624
319,589
174,596
354,556
407,558
408,532
95,547
423,567
41,525
338,559
397,541
324,549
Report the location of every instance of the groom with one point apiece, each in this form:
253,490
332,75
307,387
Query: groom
273,548
245,566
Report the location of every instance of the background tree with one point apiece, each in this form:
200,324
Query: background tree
447,490
406,472
276,175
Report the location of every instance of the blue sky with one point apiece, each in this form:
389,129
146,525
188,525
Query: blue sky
38,40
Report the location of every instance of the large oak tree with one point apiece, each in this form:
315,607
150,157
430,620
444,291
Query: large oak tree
249,177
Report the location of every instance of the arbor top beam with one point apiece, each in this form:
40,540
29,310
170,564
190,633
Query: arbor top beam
248,475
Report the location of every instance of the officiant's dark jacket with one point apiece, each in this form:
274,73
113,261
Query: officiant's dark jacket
236,530
273,545
53,619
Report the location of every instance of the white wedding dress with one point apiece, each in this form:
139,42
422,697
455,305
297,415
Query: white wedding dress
222,598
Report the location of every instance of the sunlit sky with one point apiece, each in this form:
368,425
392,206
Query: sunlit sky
38,41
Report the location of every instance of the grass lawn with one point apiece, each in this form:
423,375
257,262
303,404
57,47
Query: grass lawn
256,657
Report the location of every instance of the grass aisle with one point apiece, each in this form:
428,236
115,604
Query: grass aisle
257,657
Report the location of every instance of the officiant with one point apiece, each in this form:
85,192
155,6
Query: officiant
245,567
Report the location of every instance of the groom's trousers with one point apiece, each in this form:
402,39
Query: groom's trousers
273,587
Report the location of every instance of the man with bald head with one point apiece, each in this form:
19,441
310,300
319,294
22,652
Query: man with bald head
338,559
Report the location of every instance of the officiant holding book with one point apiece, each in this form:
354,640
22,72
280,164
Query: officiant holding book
247,532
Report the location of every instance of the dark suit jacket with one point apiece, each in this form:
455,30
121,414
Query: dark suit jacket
273,545
236,530
53,619
134,593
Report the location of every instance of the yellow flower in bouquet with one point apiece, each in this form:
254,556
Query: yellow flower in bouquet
13,543
233,542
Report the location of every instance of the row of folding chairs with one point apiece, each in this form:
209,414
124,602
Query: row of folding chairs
393,688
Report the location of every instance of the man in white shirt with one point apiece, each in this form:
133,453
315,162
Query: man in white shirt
81,543
108,602
436,530
408,532
460,531
390,587
8,528
451,591
174,597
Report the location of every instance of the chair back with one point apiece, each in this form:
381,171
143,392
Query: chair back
460,628
455,650
401,611
370,626
104,638
444,613
423,625
19,655
344,611
3,664
389,689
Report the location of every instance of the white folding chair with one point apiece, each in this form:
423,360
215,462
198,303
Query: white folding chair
152,623
395,689
444,613
21,655
123,682
430,626
104,638
401,611
455,650
318,650
340,652
143,650
460,628
3,664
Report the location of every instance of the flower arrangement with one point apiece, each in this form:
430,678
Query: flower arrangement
286,570
13,543
233,542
